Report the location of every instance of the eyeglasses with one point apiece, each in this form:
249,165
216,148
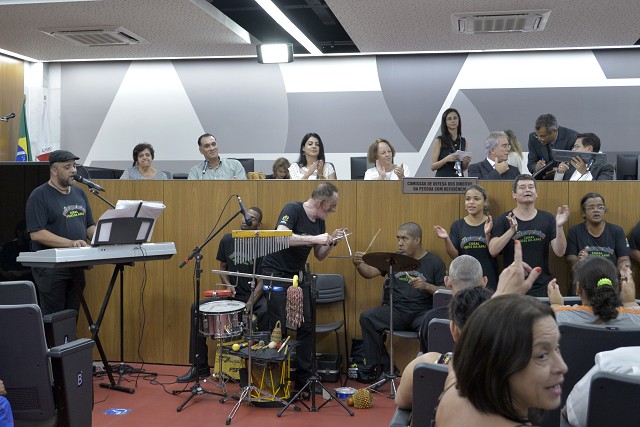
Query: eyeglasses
543,137
590,208
453,118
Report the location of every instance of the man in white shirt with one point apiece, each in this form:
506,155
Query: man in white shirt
214,167
578,170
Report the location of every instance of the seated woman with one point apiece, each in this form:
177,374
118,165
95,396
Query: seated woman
311,164
280,169
381,153
143,155
604,298
463,303
507,366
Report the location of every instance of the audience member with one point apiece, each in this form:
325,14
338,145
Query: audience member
59,216
241,290
445,159
634,243
623,361
547,136
496,382
280,169
6,416
535,229
578,170
496,165
471,234
10,269
381,153
412,296
516,157
604,298
143,155
215,167
465,271
307,222
595,236
311,163
462,305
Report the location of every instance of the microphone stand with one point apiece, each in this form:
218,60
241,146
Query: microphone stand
99,196
197,387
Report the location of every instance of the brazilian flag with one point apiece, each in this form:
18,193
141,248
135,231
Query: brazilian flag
24,146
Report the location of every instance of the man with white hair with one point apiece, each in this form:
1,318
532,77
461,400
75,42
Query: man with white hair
495,166
464,272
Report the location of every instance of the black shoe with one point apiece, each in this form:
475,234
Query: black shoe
203,372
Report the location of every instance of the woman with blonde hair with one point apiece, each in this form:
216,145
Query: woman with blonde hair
516,158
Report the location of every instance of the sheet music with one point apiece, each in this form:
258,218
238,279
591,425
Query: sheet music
129,209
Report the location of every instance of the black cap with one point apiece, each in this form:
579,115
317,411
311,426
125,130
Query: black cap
61,156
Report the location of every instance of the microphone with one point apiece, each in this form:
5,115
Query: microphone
247,218
458,167
591,162
88,183
7,117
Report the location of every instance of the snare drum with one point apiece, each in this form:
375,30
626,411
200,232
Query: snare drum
221,319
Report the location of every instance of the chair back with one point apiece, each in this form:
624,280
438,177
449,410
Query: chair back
168,174
180,175
439,336
613,392
25,368
358,167
330,288
442,297
428,384
579,346
247,164
18,292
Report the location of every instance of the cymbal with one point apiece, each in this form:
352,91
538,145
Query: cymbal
384,260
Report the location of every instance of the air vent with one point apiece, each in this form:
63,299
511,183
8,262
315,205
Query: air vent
95,36
500,22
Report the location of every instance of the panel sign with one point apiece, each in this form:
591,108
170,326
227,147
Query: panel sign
436,185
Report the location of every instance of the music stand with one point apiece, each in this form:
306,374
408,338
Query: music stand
391,262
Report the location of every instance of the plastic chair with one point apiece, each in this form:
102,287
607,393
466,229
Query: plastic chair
439,336
579,346
29,370
331,290
609,400
442,297
428,383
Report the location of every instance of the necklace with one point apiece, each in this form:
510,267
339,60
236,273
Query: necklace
60,189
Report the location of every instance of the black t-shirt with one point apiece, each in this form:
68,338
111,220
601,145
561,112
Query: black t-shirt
288,262
535,236
410,301
611,244
448,169
471,240
634,237
227,254
65,215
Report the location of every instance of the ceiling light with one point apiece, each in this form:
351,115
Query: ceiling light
275,53
288,26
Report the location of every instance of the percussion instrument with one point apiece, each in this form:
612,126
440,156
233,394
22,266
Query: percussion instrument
272,377
221,319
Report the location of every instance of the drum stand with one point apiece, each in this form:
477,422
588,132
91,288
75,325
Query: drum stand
394,262
314,379
196,388
246,395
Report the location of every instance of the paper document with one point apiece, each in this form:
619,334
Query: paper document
131,209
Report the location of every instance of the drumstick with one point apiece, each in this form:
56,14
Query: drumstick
372,240
348,245
284,343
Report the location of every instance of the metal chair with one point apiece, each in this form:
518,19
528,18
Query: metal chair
331,290
609,400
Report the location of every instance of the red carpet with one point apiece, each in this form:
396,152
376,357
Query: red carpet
153,404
